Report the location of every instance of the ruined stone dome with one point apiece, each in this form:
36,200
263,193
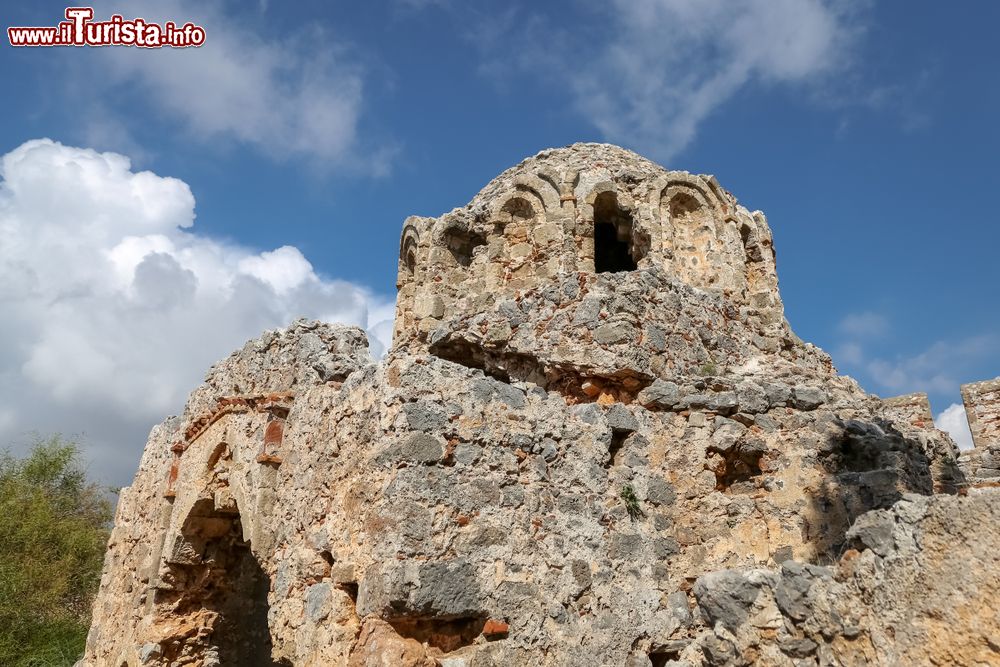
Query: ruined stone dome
579,221
590,208
552,164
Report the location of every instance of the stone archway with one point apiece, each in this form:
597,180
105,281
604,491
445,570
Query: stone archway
212,598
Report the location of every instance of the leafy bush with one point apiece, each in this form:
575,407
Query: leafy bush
53,531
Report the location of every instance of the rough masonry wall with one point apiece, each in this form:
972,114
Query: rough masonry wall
422,510
913,408
918,587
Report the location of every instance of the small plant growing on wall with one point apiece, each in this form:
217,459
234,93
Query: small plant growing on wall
631,502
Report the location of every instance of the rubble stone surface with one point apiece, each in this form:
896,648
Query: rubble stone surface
595,441
918,587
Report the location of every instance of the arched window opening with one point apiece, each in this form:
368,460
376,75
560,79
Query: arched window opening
614,249
462,242
516,210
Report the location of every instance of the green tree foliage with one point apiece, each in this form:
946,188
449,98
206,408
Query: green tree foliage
53,531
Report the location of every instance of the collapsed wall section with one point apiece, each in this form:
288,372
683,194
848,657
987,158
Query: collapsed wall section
192,557
982,408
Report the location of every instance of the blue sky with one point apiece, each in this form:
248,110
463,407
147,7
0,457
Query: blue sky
866,132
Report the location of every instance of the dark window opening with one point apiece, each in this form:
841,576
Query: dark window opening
613,247
750,245
241,633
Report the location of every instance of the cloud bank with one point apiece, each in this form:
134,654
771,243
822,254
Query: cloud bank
115,306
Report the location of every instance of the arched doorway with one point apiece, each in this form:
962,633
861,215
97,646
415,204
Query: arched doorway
212,601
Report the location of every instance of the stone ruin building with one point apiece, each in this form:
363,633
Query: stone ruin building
595,441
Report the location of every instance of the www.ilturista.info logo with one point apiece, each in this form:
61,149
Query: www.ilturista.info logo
79,29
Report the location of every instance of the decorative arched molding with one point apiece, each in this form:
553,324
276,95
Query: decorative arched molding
555,181
750,240
696,195
545,190
409,254
677,197
658,190
722,198
219,453
747,255
523,203
695,234
763,230
585,206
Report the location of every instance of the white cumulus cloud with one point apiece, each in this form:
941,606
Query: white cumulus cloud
954,422
114,306
301,97
864,325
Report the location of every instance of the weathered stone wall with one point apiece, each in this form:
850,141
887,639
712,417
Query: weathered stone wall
913,408
918,587
408,507
538,473
203,500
